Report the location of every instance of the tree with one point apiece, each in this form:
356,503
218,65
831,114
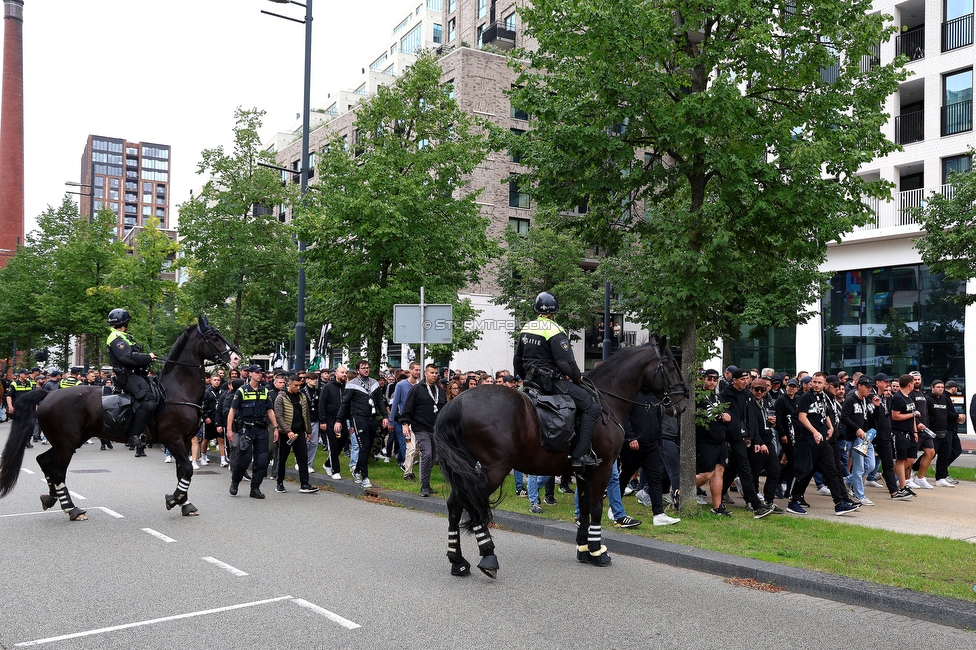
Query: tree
393,211
547,259
715,144
239,256
950,221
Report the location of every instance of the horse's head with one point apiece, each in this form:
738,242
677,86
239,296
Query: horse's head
213,344
665,378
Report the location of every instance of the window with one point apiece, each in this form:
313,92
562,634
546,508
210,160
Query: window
99,157
99,181
957,102
131,151
451,6
410,44
155,152
959,164
131,196
130,209
435,5
516,157
451,29
438,33
131,186
449,88
402,24
482,8
113,183
521,226
112,194
516,197
518,113
146,211
100,145
375,65
161,213
510,22
99,193
481,34
957,30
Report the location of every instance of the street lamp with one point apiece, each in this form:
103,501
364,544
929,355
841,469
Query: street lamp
300,347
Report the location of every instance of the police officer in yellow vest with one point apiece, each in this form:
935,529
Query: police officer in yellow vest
543,356
74,379
19,387
251,407
130,365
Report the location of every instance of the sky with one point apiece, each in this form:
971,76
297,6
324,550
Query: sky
173,73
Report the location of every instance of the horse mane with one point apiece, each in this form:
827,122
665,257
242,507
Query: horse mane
177,349
610,364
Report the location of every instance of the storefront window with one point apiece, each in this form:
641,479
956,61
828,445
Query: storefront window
765,347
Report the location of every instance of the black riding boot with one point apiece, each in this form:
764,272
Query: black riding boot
583,456
140,419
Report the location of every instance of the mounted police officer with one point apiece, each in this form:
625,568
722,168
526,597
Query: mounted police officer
543,355
130,365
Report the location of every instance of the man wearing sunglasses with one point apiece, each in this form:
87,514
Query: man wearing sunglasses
740,438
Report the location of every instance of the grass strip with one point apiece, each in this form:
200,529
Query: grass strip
923,563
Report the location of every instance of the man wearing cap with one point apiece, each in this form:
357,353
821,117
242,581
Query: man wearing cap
926,444
74,379
18,388
805,383
739,437
54,383
253,408
854,415
710,447
726,379
763,456
884,443
943,417
840,442
775,388
815,427
785,410
904,431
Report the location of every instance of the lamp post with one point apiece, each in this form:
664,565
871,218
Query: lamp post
300,346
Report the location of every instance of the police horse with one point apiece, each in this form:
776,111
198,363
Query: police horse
70,416
483,434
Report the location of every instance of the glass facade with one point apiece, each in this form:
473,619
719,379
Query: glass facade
893,320
765,347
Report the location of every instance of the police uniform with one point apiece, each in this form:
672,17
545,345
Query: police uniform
543,356
71,380
130,365
19,387
251,406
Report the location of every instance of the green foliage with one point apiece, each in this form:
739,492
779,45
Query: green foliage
393,211
548,258
239,256
950,245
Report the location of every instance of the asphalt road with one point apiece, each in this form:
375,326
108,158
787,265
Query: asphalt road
326,570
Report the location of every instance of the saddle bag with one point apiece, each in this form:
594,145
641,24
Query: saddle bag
116,414
557,419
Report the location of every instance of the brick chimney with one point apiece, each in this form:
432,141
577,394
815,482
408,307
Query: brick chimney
12,131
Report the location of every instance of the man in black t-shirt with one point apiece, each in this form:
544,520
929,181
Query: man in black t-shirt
942,420
903,429
813,451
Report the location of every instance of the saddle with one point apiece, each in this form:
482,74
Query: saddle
117,409
557,418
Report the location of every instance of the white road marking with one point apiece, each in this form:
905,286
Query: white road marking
109,512
224,565
77,496
24,469
158,535
153,621
332,616
24,514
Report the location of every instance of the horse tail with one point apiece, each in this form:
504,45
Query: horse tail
25,415
460,468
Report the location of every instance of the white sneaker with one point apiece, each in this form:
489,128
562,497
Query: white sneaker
204,460
664,520
335,477
223,461
628,491
866,502
944,483
913,485
702,500
386,459
195,465
924,484
873,484
644,498
824,490
356,477
311,470
296,467
169,459
366,484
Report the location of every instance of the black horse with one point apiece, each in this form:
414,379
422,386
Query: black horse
485,433
70,416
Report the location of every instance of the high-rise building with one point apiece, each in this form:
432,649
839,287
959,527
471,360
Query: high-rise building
12,131
129,178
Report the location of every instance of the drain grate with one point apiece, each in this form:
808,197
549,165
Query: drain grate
206,472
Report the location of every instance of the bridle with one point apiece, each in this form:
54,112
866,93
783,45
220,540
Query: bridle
214,354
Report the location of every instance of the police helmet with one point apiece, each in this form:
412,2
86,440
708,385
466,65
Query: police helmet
545,303
118,317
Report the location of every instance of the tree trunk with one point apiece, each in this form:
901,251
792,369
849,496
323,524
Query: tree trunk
374,347
238,308
688,451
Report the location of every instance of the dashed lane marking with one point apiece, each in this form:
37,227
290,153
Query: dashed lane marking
332,616
27,471
223,565
24,514
153,621
109,512
75,495
158,535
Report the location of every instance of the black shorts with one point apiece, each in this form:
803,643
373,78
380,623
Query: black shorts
210,432
905,446
710,455
925,442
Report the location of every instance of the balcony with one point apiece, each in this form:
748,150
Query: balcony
499,36
911,43
910,127
957,33
902,211
957,118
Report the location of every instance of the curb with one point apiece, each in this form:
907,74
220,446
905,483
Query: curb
942,610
